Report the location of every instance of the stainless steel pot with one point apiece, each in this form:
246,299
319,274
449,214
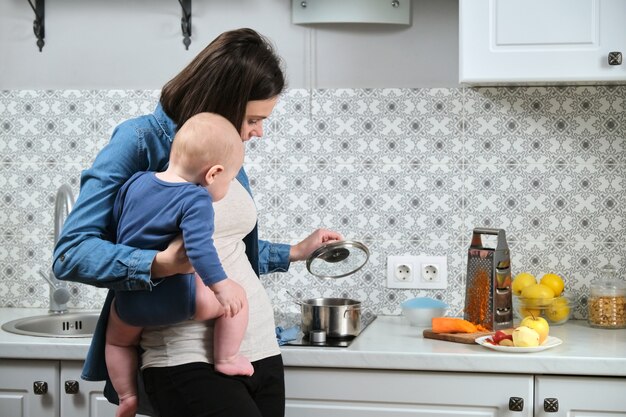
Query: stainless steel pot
338,317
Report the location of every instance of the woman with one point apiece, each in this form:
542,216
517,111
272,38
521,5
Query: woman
239,77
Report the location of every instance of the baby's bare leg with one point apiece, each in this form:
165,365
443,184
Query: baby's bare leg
228,333
207,306
121,361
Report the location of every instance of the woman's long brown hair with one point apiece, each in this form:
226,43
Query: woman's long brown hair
237,67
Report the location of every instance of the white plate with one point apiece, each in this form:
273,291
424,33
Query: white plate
549,343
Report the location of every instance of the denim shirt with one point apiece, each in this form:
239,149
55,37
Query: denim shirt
86,253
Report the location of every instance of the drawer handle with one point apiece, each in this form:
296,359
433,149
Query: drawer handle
550,405
40,387
71,387
615,58
516,404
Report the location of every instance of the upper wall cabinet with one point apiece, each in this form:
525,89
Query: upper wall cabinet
393,12
542,41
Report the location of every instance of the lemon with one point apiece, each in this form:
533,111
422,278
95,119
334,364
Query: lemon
558,311
537,295
521,281
537,291
553,281
533,312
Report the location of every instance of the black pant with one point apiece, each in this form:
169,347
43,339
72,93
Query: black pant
196,390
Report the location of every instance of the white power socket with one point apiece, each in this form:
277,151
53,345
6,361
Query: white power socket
401,271
415,272
433,272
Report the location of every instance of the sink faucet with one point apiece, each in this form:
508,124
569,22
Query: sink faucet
59,294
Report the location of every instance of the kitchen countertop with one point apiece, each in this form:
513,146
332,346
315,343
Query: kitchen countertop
391,343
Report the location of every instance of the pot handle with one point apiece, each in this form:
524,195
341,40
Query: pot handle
352,308
296,299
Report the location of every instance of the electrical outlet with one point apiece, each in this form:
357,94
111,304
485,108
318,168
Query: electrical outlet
430,272
417,272
402,271
433,272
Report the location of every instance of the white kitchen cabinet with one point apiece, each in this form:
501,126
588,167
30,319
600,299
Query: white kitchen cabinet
60,392
17,391
332,392
88,400
561,396
541,41
317,392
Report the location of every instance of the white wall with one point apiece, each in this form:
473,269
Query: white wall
137,44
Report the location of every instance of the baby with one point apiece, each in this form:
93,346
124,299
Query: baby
151,209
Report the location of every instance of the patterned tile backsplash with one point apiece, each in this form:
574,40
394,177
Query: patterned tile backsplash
406,171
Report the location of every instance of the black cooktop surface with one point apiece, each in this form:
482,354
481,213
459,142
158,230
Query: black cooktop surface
330,342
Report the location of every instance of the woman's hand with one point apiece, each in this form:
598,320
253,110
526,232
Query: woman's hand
173,260
302,250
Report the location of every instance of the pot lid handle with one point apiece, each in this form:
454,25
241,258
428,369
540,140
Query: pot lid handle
337,259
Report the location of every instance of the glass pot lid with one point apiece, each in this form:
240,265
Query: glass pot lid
337,259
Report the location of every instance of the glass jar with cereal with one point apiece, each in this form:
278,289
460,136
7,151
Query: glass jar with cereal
607,301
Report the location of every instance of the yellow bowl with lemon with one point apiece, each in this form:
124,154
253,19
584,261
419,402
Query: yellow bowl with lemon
556,310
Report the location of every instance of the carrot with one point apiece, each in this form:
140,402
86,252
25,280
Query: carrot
454,325
482,328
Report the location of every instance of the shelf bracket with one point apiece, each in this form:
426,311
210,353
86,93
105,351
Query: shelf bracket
38,24
185,22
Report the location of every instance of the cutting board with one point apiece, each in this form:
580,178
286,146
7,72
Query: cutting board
468,338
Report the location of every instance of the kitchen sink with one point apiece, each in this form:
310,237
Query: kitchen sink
81,324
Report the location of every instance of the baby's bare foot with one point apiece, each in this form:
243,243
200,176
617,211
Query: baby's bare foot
235,365
127,407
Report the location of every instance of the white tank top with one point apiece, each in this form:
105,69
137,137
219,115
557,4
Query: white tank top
192,341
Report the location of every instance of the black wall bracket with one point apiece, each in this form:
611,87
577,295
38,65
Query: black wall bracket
38,24
40,13
185,22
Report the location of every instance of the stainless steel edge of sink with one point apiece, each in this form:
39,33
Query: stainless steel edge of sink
79,324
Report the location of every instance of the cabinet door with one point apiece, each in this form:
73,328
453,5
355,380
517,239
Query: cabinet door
18,395
580,396
80,398
539,41
313,392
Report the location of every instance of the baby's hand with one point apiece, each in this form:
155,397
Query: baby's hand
230,295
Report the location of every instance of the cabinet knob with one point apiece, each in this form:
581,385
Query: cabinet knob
550,405
516,404
40,387
71,387
615,58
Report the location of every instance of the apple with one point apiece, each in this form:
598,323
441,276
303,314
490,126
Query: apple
539,324
499,336
507,342
525,337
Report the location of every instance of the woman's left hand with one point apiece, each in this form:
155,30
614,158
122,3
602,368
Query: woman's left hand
302,250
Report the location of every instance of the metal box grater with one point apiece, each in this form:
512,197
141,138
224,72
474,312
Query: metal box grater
488,296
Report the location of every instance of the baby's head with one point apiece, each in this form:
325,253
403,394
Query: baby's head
208,150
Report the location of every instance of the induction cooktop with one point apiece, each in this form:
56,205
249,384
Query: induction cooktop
335,342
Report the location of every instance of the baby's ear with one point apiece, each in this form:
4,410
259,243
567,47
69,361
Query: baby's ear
212,173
